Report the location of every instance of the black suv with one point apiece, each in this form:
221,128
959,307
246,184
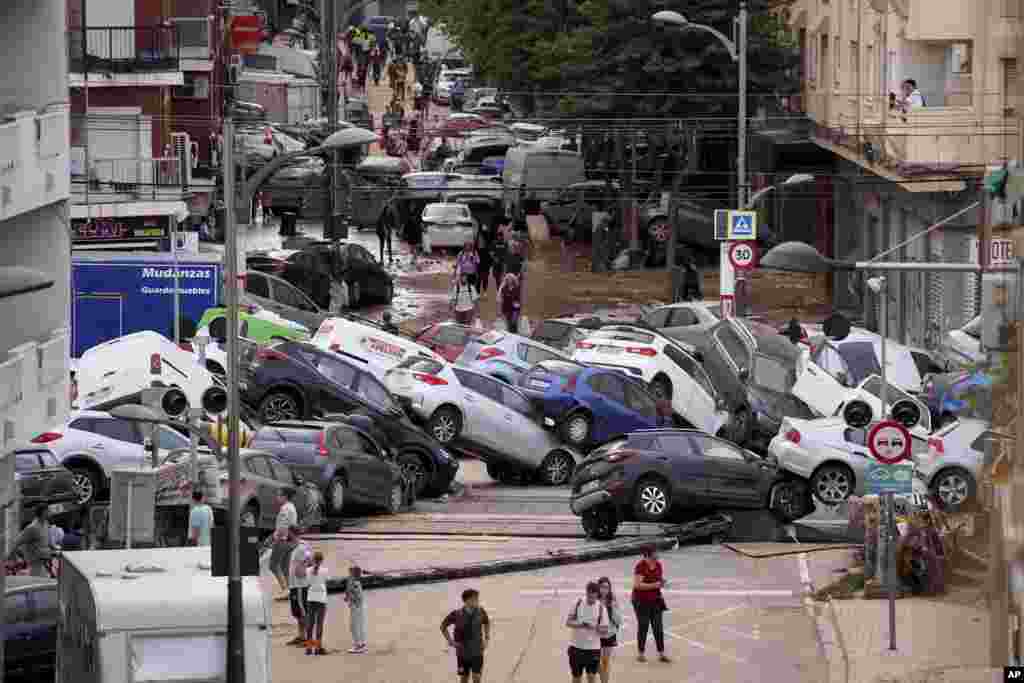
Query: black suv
347,463
292,380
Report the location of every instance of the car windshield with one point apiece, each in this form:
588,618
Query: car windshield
452,212
774,374
623,335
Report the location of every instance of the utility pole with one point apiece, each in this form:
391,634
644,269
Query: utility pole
329,65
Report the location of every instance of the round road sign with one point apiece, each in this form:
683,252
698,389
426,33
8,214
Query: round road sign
889,442
743,254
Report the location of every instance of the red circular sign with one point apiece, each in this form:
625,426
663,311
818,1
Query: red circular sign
889,442
743,255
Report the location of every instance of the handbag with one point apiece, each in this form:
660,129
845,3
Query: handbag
662,607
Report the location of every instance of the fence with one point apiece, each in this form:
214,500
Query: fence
124,49
142,178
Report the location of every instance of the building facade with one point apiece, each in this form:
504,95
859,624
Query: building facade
898,172
34,222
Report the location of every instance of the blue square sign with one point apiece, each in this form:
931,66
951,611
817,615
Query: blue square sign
742,225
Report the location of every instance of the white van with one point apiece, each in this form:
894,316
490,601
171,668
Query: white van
118,370
378,351
129,616
542,172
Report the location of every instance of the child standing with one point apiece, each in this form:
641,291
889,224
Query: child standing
357,609
316,607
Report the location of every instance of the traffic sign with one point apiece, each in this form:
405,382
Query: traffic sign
889,442
896,479
743,255
742,225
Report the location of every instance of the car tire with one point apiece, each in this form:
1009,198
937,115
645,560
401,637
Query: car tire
600,522
576,429
336,495
556,470
250,516
280,405
87,484
652,499
661,388
954,487
832,483
414,468
789,500
445,425
396,498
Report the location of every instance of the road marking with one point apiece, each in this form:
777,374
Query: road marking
708,648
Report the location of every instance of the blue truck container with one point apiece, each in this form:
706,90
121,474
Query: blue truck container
116,294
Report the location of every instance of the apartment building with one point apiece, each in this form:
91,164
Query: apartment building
899,172
35,251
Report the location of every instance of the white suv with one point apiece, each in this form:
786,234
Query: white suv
368,345
670,369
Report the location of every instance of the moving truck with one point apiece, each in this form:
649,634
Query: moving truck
116,294
142,615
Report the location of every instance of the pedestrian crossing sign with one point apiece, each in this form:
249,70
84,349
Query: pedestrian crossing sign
742,225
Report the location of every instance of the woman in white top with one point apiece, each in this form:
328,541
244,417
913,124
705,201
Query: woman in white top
316,606
464,298
610,639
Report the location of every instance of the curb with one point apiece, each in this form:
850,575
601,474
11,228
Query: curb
826,627
479,569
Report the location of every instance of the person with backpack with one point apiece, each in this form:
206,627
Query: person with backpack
470,636
589,623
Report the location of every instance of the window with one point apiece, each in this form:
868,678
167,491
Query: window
854,58
515,401
609,386
716,448
120,430
836,60
639,400
960,57
257,465
691,368
657,319
16,609
421,364
26,462
167,439
339,373
554,331
257,285
193,32
646,443
47,607
733,345
280,471
987,437
534,354
683,317
346,439
289,296
621,334
83,423
375,393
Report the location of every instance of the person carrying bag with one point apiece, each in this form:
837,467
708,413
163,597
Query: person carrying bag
463,301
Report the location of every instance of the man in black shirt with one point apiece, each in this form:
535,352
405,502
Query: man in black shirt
470,636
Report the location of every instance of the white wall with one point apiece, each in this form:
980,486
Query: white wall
33,60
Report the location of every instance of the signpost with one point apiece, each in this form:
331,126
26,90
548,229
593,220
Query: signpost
735,231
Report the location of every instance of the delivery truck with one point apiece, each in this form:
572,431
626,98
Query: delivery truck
116,294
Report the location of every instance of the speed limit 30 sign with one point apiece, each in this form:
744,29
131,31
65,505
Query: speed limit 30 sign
889,442
743,255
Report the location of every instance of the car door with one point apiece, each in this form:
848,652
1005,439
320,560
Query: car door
257,289
378,466
334,393
45,614
291,304
521,434
699,396
482,408
260,481
18,627
733,477
116,442
817,382
611,417
685,466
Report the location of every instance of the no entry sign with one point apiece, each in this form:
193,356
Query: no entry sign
889,442
743,255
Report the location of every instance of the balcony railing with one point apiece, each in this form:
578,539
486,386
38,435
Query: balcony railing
131,179
124,49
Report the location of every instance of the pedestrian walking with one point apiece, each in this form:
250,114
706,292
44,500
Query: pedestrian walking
470,635
610,640
648,603
468,262
484,245
589,623
499,255
463,299
298,584
385,226
347,68
377,58
357,609
34,543
200,519
287,517
509,301
691,282
316,606
414,234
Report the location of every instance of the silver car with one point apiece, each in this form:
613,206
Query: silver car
952,466
506,356
469,410
283,298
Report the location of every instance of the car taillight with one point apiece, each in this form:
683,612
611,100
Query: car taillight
47,437
155,365
322,448
269,354
432,380
642,351
336,348
489,352
936,445
584,345
185,346
793,436
619,456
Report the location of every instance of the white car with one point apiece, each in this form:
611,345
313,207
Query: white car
830,454
668,367
684,314
952,466
856,357
826,396
962,347
118,370
92,443
367,344
447,225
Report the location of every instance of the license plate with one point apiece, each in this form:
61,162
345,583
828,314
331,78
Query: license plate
590,486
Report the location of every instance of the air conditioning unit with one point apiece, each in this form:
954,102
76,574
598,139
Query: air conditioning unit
185,150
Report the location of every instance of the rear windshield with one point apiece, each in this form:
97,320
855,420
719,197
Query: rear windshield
421,364
455,212
552,330
623,335
557,368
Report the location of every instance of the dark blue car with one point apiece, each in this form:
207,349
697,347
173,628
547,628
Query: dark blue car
591,405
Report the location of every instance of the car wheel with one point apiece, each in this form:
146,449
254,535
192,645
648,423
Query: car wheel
576,429
396,501
789,500
659,229
600,522
416,471
355,294
336,495
832,484
953,487
741,426
661,389
652,500
445,424
278,406
557,468
250,516
86,485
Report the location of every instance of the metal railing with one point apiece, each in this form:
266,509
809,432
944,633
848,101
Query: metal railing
124,49
141,178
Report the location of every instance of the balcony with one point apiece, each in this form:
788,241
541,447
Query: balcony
125,180
33,388
125,55
33,160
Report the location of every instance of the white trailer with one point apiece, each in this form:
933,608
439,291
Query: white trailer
148,615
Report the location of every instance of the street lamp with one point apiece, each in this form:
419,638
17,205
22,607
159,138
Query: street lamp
795,179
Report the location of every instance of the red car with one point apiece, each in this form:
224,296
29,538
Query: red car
447,339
